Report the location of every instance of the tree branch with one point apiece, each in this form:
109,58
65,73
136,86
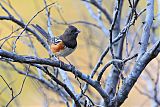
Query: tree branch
93,2
54,63
135,73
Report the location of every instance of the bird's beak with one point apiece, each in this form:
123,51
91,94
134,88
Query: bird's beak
78,31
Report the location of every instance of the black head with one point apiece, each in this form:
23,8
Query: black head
71,31
69,36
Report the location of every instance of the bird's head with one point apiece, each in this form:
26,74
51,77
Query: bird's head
69,36
72,31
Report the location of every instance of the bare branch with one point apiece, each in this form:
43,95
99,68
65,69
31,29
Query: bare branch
147,27
48,21
77,22
94,2
121,62
25,27
135,73
13,97
54,63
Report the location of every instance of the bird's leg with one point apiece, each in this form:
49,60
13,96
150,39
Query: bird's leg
67,60
72,67
60,63
56,72
57,59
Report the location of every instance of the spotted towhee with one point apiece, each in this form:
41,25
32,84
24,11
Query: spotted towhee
65,44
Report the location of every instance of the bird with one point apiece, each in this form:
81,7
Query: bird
64,44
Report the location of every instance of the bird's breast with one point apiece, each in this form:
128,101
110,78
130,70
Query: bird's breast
57,47
60,49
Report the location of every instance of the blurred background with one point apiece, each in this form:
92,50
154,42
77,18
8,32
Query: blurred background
91,43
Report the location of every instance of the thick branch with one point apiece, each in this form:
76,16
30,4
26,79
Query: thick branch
54,63
135,73
147,27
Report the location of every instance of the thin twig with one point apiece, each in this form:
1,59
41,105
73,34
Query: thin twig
94,2
14,44
77,22
10,88
49,23
13,97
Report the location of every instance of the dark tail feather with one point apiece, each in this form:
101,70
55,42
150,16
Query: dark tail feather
41,30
